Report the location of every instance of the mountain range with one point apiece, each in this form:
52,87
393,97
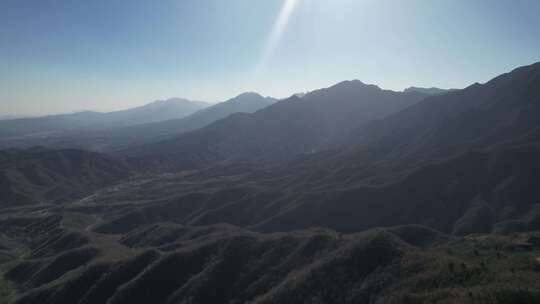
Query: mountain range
158,131
50,125
347,194
317,121
112,131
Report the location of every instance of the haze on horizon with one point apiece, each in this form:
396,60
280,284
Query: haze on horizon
64,56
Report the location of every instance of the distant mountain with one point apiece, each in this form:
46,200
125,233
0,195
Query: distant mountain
243,103
59,124
428,91
39,175
125,136
156,111
284,129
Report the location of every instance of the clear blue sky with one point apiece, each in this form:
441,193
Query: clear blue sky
68,55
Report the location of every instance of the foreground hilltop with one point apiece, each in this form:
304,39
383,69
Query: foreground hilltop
169,263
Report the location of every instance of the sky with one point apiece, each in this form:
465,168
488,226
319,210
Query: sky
59,56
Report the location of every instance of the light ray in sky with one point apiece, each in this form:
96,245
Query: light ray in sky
277,31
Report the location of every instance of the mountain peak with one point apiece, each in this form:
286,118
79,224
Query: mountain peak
345,87
354,84
351,83
249,95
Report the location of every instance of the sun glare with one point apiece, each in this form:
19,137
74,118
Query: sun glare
277,32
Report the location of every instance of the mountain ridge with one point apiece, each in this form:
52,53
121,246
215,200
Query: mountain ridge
121,137
313,120
428,91
90,120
